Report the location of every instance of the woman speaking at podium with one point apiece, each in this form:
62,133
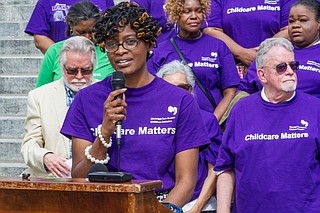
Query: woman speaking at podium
162,128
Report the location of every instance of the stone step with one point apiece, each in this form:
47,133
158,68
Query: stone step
12,127
20,64
13,30
10,150
18,56
18,46
16,12
18,2
11,169
17,84
13,105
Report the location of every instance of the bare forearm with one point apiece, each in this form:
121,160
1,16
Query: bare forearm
283,33
207,190
81,169
228,95
217,33
81,165
42,42
180,194
234,47
186,164
245,55
225,186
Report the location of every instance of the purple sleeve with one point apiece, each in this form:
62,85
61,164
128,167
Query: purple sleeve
39,20
285,10
190,129
155,62
103,4
225,160
229,75
110,3
250,82
215,135
215,17
143,3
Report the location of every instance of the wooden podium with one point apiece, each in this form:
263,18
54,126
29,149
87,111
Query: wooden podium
77,195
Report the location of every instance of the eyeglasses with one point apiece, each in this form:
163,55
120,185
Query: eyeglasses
74,71
282,68
185,86
128,44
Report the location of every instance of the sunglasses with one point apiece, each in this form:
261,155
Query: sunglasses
185,86
74,71
282,67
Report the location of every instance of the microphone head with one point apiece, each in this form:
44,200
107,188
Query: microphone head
118,80
98,167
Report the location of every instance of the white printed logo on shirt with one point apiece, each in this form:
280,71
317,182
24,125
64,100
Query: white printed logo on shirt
60,12
303,127
271,1
172,110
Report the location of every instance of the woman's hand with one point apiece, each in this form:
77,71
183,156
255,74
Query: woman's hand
247,55
114,110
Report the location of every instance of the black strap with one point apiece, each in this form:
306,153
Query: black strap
213,103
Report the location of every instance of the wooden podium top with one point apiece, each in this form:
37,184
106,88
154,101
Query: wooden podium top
69,195
78,184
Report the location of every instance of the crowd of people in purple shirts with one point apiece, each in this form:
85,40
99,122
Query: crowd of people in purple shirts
221,99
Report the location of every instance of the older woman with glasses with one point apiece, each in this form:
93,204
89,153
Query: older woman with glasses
179,74
81,18
162,128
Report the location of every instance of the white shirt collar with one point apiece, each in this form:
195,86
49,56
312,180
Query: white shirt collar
264,96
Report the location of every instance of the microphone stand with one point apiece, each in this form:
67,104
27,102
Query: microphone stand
118,142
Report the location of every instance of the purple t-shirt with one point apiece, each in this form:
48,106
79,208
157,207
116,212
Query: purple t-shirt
162,120
274,150
48,17
211,61
308,73
215,135
155,9
210,154
249,22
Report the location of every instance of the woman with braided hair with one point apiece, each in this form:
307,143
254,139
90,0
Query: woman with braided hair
162,128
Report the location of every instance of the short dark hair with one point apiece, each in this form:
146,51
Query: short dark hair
126,14
314,5
81,11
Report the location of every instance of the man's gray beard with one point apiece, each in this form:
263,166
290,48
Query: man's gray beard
74,88
289,88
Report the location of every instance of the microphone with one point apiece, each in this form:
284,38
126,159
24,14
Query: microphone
118,82
99,173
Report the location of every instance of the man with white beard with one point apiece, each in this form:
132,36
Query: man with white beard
46,152
279,173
